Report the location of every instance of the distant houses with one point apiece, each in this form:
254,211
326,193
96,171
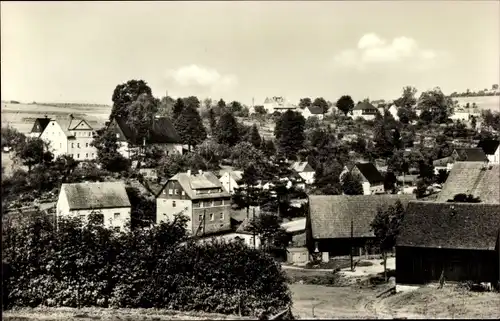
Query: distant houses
364,110
66,136
371,179
201,197
456,241
108,200
339,223
460,155
278,104
312,111
162,135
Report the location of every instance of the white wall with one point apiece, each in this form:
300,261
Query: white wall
308,177
165,210
495,158
247,238
366,188
55,136
228,182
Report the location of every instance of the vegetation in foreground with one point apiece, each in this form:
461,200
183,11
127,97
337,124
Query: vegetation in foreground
90,266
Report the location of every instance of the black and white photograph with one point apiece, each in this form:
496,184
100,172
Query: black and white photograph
250,160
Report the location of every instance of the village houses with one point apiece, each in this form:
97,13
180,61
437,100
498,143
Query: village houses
278,104
460,155
364,110
371,179
108,200
201,197
304,170
162,135
66,136
230,180
312,111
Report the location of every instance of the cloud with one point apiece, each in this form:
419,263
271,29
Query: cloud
374,50
195,76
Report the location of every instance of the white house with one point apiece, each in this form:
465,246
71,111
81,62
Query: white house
491,148
393,110
371,179
312,111
305,171
278,104
108,199
71,136
465,114
364,110
230,180
162,135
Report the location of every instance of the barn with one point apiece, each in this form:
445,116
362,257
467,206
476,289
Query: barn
460,240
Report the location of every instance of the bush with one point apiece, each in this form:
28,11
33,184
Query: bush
87,266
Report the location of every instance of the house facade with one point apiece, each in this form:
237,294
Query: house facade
107,199
364,110
312,111
305,171
491,148
393,110
371,179
201,197
278,104
457,240
230,179
162,135
67,136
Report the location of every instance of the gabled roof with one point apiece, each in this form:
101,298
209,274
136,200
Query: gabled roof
162,132
450,225
236,175
331,215
295,226
370,172
442,161
471,155
489,146
85,196
365,106
315,110
40,125
474,178
301,167
192,182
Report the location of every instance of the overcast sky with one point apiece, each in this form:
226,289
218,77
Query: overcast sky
79,51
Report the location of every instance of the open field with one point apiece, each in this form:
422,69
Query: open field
485,102
22,116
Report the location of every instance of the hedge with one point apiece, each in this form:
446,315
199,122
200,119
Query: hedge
86,266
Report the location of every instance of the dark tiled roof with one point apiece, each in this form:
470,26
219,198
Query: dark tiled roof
192,182
315,110
163,132
364,106
471,155
331,215
474,178
442,161
450,225
489,146
40,125
370,172
83,196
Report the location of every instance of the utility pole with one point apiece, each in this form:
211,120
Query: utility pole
352,238
253,228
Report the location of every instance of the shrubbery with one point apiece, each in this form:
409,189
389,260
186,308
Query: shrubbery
149,268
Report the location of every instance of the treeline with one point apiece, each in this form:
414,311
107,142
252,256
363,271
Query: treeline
79,265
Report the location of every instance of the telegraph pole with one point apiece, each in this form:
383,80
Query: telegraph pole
352,238
253,229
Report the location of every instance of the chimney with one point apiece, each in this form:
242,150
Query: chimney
188,172
200,172
71,116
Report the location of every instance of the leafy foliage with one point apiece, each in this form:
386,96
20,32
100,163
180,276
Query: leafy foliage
11,137
345,104
321,103
178,108
190,127
125,94
107,152
254,137
289,132
465,198
436,104
351,184
32,151
227,130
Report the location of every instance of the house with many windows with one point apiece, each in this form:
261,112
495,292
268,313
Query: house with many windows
364,110
108,200
162,135
199,196
66,136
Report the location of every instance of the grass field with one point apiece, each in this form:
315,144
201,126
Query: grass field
486,102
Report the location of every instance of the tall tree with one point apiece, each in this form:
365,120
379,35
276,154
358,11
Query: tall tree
141,116
32,151
190,127
236,107
207,102
211,120
221,107
268,148
321,103
345,104
327,178
107,151
166,106
386,226
289,132
351,184
125,94
435,102
178,108
227,130
305,102
254,138
192,101
407,98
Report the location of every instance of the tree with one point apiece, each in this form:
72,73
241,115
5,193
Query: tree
11,137
268,227
236,106
406,115
386,227
65,165
227,130
190,127
207,102
289,132
192,101
442,176
107,151
407,99
321,103
259,109
247,194
351,184
435,102
143,211
244,153
221,107
166,106
345,104
390,181
211,120
125,94
305,102
32,151
254,138
327,178
267,147
178,108
141,116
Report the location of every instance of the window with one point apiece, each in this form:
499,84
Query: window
164,191
173,204
92,155
72,145
90,134
183,193
86,144
117,135
211,216
170,192
200,217
77,156
116,216
78,145
87,155
60,145
176,192
221,216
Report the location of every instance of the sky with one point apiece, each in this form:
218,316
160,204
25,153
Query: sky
79,51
